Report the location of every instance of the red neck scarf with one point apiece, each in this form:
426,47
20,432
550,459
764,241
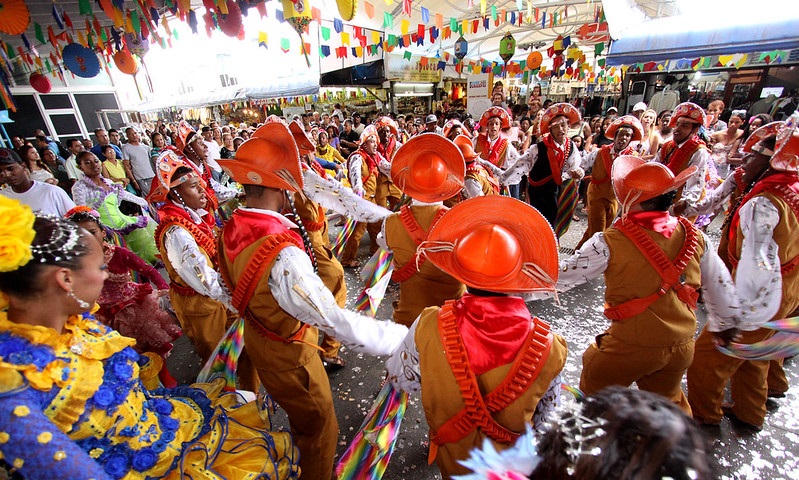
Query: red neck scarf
557,156
203,233
247,227
676,158
387,150
788,179
371,160
659,222
495,150
493,329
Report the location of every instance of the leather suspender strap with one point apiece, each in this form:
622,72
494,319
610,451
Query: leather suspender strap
255,270
669,271
418,235
478,409
792,199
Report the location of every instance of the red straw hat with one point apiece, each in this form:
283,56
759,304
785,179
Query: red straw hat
495,243
464,143
635,180
626,121
385,121
786,152
270,160
429,168
304,142
166,165
500,112
556,110
689,111
761,133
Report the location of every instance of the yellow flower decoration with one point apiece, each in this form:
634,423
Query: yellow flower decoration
16,234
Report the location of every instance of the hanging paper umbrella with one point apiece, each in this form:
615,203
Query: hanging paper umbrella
125,62
346,8
534,60
461,48
14,17
80,60
40,83
230,24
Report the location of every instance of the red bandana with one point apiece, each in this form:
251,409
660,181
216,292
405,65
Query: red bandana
659,222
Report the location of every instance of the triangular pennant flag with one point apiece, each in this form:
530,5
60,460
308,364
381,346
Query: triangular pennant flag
453,24
370,10
38,32
404,26
358,52
375,36
325,50
598,48
433,34
439,21
483,8
493,13
544,20
441,65
420,30
406,55
345,38
338,25
423,61
316,14
279,16
325,33
388,20
285,45
425,15
485,23
512,17
261,7
263,40
406,7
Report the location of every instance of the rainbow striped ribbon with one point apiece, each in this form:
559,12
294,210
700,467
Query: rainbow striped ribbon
343,236
567,203
225,357
784,343
368,454
376,275
576,392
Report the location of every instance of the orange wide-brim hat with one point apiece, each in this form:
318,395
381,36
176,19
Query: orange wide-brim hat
636,180
786,151
166,165
626,121
304,142
428,168
464,144
502,113
186,135
759,134
559,109
689,111
495,243
269,160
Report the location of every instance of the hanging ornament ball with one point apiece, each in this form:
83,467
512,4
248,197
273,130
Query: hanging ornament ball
137,44
461,48
534,60
40,83
507,47
125,62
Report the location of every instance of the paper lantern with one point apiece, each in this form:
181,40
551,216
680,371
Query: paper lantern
461,48
507,47
298,14
534,60
40,83
137,44
125,62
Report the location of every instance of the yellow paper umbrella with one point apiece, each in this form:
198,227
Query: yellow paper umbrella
346,8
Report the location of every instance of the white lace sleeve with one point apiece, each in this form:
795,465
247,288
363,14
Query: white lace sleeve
191,265
384,165
758,278
223,193
696,182
718,290
587,263
472,188
713,200
403,365
126,195
589,159
514,173
329,193
302,295
354,169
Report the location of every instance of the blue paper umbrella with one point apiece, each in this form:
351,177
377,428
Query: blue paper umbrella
80,60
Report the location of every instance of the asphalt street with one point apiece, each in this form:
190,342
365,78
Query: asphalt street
578,316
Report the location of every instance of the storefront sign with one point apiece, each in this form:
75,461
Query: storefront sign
478,91
401,70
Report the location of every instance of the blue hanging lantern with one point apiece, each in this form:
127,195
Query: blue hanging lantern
461,48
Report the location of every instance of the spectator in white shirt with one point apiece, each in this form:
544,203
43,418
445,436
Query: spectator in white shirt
136,157
41,197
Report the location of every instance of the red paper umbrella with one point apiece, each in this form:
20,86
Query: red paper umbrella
14,17
40,83
230,24
125,62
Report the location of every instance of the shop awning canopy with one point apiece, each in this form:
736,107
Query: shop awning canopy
700,29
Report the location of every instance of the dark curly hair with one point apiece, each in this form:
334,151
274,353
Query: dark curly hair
645,437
